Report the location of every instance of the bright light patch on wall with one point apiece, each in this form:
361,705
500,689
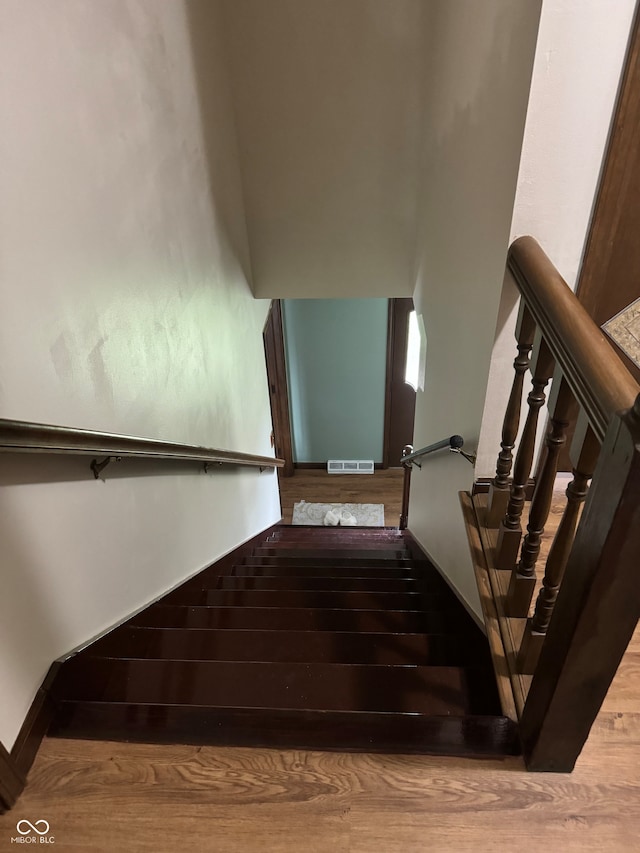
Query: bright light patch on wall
416,352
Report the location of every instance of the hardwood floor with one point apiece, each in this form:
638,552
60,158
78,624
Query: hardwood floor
316,486
114,797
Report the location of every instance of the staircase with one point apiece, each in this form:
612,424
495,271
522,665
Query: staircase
339,638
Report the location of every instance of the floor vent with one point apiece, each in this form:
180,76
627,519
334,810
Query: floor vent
350,466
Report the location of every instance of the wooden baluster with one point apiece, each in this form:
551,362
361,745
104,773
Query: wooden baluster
523,578
586,448
499,490
510,532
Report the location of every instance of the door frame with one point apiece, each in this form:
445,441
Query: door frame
274,351
396,356
616,213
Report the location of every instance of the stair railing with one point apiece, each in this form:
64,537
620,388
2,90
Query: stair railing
589,603
410,457
27,437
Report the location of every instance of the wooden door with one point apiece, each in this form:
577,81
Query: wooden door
273,337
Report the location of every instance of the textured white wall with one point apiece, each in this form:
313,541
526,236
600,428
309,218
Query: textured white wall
479,67
329,104
125,307
579,57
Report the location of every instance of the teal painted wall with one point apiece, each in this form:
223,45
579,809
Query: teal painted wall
336,362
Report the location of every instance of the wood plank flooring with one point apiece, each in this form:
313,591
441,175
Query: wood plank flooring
316,486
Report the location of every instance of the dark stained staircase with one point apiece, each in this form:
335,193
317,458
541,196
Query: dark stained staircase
325,638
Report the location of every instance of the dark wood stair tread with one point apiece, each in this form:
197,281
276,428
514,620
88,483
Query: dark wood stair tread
343,569
296,560
286,686
316,531
336,553
201,593
299,619
284,545
287,598
328,583
284,646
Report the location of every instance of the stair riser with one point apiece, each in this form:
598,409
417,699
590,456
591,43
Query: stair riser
283,647
335,553
284,686
345,571
300,619
353,562
387,733
195,594
326,584
332,545
301,598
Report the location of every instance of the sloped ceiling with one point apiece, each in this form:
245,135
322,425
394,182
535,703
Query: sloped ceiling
329,112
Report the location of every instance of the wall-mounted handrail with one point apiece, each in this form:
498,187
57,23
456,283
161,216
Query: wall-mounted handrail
598,378
410,458
455,443
27,437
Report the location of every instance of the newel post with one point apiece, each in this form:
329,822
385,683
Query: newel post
597,609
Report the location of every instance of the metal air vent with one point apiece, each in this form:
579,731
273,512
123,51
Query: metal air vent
350,466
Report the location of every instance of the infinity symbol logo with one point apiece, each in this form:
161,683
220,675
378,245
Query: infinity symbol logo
32,827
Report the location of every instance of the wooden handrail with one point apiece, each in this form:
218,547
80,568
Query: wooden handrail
562,661
598,378
27,437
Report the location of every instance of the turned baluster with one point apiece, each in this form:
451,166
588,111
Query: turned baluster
510,532
523,578
499,489
536,628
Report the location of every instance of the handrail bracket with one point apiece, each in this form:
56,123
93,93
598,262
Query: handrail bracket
98,467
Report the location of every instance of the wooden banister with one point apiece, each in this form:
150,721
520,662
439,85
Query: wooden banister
598,378
27,437
562,657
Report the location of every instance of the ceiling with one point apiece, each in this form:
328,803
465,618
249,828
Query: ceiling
329,109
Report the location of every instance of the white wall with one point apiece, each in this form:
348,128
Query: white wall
329,104
579,57
479,69
125,307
